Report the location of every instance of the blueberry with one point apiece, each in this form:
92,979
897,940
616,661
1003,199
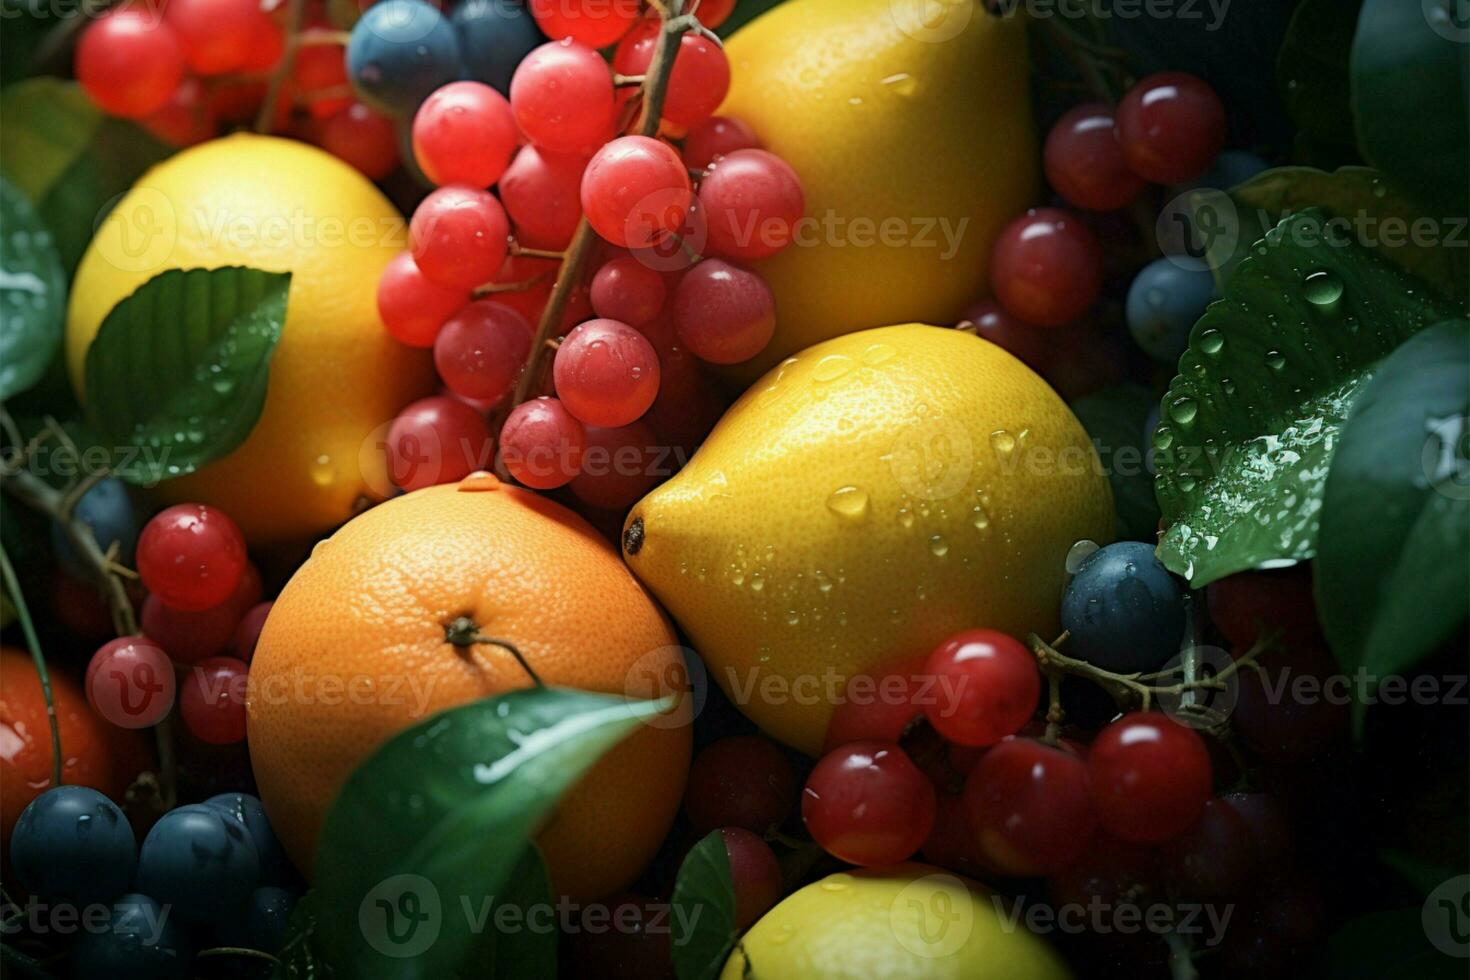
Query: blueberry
1164,302
108,510
274,869
73,844
1124,611
264,923
494,36
399,52
141,942
200,860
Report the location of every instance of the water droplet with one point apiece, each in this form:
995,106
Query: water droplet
979,518
832,367
480,480
792,618
849,502
1275,360
938,546
1079,553
900,83
1003,442
905,517
1322,288
322,473
757,582
1163,438
1212,341
878,353
1184,410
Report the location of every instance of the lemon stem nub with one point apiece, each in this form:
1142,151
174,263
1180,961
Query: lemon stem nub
633,537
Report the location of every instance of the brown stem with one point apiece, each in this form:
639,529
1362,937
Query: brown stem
295,17
464,633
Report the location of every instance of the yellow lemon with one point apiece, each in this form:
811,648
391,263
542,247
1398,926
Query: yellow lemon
865,500
336,376
906,920
909,123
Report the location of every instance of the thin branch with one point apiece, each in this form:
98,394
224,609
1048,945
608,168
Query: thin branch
295,17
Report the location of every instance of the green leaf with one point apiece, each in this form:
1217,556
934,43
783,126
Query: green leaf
704,901
32,294
1410,81
1386,944
1250,422
441,815
179,368
527,946
1312,71
69,159
1393,559
1114,419
300,957
1384,219
1424,876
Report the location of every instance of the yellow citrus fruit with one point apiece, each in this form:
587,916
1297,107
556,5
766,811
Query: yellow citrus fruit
909,123
336,375
368,612
865,500
905,920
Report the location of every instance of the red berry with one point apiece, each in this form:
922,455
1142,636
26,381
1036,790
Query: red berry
189,637
1214,857
1149,777
464,133
320,71
481,350
595,23
878,706
715,137
191,556
606,373
267,44
1269,831
1046,268
627,290
986,687
1248,604
724,314
542,443
1171,127
1291,712
562,97
1084,160
130,682
458,236
867,803
740,781
413,306
755,875
436,440
952,843
212,700
712,13
636,191
247,633
752,201
215,36
186,119
1112,873
362,138
619,466
1029,805
542,191
698,83
129,62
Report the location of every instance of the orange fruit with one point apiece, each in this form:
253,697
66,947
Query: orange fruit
355,650
97,755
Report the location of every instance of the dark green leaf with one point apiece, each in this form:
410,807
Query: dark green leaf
1425,877
1387,944
301,957
526,948
178,369
1312,70
1382,217
745,12
1393,554
1410,77
32,294
439,817
704,903
1115,419
1272,368
69,159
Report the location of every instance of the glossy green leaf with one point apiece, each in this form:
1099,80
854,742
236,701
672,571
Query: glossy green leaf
1410,80
437,820
704,911
1393,558
177,374
1249,424
32,294
526,946
1312,70
1114,420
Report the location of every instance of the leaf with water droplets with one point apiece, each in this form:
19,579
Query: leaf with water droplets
1248,431
704,910
32,294
1393,559
176,376
442,814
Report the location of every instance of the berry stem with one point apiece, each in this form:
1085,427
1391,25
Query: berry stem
574,261
23,613
295,17
535,253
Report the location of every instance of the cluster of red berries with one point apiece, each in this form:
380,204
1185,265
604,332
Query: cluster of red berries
204,601
676,217
185,69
